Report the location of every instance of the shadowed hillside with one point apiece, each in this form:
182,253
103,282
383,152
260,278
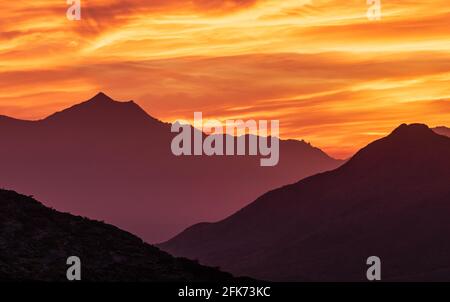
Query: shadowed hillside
35,242
391,200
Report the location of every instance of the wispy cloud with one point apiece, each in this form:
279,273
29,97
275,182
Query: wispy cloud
330,75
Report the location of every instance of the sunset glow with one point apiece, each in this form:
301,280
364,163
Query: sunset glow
330,75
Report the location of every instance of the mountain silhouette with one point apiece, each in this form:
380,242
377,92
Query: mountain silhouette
101,109
391,200
442,130
112,161
36,241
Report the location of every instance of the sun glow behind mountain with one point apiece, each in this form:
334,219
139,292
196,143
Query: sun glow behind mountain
322,68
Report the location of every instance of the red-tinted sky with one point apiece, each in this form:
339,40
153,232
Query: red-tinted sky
322,68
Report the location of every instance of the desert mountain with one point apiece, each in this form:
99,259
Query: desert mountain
442,130
36,241
391,200
111,161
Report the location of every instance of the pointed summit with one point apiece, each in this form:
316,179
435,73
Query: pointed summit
101,98
104,110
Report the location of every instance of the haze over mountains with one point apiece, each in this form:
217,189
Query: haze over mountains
391,200
36,241
111,161
442,130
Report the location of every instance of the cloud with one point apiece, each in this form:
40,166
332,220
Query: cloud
330,75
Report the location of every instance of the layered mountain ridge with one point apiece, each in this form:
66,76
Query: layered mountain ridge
391,200
111,161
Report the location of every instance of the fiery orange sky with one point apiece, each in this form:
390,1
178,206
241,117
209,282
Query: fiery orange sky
331,76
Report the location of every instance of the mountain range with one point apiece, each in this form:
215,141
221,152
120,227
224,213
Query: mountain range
390,200
112,161
36,241
442,130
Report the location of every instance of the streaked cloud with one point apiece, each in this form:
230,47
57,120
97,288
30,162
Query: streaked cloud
330,75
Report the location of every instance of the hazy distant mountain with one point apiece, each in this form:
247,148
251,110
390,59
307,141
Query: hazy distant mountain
111,161
442,130
36,241
391,200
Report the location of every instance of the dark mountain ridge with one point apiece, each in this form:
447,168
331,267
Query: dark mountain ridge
111,161
36,241
391,200
102,109
442,130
